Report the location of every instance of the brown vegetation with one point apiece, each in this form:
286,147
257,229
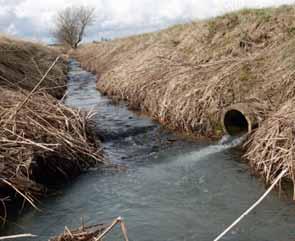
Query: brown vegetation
92,233
88,233
187,75
271,148
41,141
22,64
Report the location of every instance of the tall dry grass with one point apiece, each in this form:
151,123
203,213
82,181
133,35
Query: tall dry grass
271,148
42,142
187,75
23,63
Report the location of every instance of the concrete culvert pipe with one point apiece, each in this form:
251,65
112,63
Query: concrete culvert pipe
239,119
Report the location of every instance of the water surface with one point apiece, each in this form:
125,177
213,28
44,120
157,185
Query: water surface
173,189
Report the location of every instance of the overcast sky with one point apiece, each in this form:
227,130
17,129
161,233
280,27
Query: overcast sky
115,18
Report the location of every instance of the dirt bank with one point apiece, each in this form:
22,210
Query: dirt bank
186,76
42,142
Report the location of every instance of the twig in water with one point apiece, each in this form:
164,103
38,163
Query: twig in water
252,207
118,220
18,236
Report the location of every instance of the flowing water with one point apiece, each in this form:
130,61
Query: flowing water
172,190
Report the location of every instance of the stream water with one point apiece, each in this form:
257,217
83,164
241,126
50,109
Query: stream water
172,190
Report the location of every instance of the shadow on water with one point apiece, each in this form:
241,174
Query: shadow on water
173,189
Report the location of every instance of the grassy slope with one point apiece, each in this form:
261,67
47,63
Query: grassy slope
22,64
185,76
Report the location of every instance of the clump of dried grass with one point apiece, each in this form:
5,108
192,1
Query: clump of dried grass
43,139
42,142
271,148
92,233
88,233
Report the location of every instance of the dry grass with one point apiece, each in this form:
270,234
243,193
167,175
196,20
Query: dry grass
186,76
271,148
22,64
88,233
42,142
43,134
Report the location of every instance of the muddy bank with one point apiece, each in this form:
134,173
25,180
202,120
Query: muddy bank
185,77
42,142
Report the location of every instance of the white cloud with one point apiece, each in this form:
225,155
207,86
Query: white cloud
33,18
11,29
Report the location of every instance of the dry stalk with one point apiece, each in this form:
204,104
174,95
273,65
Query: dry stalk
41,140
19,236
270,149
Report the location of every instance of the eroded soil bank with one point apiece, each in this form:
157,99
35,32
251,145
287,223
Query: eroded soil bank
186,76
42,142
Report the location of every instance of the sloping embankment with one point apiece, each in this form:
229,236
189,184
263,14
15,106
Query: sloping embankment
41,140
22,65
187,75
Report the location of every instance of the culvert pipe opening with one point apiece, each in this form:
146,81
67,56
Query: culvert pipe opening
235,123
240,118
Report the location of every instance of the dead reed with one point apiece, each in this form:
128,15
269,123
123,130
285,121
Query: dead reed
271,148
81,234
187,75
23,63
93,233
42,142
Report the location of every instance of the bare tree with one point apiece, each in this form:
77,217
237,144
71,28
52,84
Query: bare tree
71,23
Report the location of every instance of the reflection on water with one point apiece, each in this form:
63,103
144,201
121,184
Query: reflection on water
173,189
